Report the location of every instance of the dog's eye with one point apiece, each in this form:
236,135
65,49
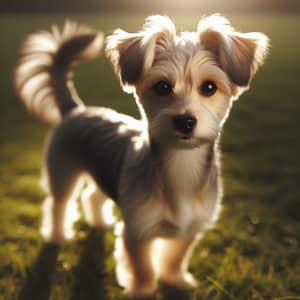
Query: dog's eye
208,88
163,88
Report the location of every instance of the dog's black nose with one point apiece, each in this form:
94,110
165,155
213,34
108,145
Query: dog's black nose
184,123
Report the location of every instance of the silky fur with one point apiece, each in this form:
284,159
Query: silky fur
167,185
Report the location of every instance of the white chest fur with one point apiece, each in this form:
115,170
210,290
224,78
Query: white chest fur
185,169
187,204
193,200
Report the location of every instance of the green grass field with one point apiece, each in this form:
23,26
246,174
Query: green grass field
254,251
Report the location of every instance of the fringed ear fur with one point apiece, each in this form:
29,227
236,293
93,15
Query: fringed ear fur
133,53
127,55
238,54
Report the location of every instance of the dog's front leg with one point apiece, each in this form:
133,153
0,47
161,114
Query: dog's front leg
138,254
171,261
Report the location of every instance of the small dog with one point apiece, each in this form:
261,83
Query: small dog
162,171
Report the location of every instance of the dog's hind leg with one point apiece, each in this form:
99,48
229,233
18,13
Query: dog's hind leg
97,208
60,207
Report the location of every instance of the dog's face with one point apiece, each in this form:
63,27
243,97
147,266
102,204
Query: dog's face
185,84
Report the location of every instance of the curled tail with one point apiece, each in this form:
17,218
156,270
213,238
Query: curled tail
43,75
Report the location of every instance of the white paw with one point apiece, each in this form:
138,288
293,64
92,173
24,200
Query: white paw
53,237
181,280
143,291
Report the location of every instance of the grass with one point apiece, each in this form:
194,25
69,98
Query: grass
253,253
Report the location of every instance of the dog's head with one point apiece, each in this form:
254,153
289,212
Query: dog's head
185,83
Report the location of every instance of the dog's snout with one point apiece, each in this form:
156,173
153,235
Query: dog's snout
184,123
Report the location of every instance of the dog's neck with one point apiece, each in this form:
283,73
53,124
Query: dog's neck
184,171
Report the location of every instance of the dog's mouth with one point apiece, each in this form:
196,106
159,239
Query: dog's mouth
184,136
186,140
191,141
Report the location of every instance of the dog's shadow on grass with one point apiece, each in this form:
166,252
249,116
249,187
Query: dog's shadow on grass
91,278
39,279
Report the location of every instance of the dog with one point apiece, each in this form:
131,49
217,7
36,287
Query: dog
163,170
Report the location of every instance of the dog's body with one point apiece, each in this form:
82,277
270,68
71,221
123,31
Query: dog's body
163,170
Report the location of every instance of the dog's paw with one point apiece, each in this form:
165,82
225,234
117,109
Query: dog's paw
141,292
55,239
180,280
144,289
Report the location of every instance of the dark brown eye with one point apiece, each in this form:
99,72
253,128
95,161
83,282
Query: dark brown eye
208,88
163,88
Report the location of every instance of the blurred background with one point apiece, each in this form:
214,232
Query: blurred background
167,6
253,253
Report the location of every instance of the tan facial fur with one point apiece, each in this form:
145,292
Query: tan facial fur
215,52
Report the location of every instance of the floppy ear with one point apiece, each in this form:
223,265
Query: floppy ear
238,54
132,54
127,55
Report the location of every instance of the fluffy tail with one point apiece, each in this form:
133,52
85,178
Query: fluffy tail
43,76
